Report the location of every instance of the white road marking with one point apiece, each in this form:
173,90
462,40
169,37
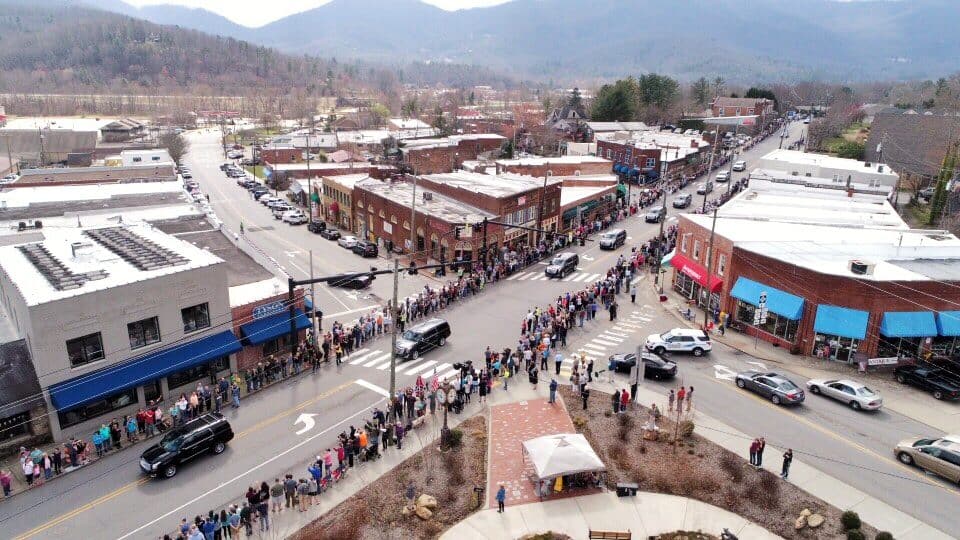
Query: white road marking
593,277
424,366
307,420
580,277
723,372
363,358
611,338
761,365
440,367
377,360
604,342
448,374
401,367
617,334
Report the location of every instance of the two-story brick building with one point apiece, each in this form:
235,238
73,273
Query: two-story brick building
642,155
840,271
430,156
762,108
555,166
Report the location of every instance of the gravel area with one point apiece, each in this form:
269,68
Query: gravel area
374,512
696,468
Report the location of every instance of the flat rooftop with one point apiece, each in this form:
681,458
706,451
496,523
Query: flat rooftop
578,194
502,185
49,201
795,157
94,265
562,160
347,181
672,146
317,166
441,207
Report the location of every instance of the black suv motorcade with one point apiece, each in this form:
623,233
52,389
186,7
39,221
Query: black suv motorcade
364,248
316,227
422,337
207,433
655,366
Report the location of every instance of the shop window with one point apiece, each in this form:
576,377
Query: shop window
14,426
898,347
775,325
195,317
197,373
274,346
143,333
651,162
152,391
836,348
98,408
85,349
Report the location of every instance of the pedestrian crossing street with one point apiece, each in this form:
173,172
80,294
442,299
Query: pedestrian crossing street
619,338
583,277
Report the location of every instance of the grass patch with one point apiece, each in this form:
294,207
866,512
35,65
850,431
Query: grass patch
258,171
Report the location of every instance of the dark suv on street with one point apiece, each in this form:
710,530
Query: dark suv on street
364,248
207,433
423,337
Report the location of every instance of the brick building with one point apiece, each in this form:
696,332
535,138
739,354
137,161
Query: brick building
337,200
639,154
841,272
315,170
279,154
262,323
555,166
761,107
430,156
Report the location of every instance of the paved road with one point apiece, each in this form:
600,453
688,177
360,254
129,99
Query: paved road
111,499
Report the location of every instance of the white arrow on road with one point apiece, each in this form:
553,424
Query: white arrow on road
586,257
723,372
308,422
761,365
292,253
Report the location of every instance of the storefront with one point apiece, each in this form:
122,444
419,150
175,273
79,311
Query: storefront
838,332
783,310
904,334
947,342
690,280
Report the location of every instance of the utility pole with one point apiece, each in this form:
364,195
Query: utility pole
706,306
713,151
313,300
483,252
395,316
736,129
413,218
309,181
543,196
661,239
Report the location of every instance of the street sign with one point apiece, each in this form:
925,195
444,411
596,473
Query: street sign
760,315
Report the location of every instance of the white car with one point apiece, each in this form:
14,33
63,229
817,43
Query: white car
347,241
234,154
857,395
9,178
722,177
740,165
294,217
688,340
267,199
280,209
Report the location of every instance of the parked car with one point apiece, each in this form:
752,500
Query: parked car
683,200
857,395
740,165
316,227
563,264
280,209
939,456
773,386
688,340
704,188
655,215
347,241
207,433
722,176
354,282
940,383
294,217
234,154
186,175
364,248
330,234
259,192
806,120
422,337
613,239
655,366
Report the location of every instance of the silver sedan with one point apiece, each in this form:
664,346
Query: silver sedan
855,394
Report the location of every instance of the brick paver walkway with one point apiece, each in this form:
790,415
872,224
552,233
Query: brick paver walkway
510,425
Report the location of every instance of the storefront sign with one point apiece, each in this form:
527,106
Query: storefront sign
266,310
888,361
760,315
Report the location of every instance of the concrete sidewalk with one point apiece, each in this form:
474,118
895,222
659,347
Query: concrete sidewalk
644,515
908,401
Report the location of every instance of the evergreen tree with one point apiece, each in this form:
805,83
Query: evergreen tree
700,91
616,102
575,101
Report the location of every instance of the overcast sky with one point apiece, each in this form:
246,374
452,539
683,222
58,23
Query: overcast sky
260,12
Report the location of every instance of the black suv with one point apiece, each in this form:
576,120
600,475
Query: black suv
422,337
364,248
330,234
316,227
206,433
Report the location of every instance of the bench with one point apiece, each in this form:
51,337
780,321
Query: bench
610,535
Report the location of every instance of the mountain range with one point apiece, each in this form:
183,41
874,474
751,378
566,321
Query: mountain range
570,40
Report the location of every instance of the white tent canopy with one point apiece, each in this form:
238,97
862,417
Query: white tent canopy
557,455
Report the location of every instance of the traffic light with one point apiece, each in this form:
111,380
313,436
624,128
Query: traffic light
412,270
456,232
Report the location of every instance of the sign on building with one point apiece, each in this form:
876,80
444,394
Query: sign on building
267,310
760,315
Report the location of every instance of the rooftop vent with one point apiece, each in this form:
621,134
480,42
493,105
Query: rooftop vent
143,254
57,273
427,196
861,268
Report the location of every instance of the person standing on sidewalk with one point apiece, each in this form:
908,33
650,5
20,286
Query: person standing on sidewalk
762,446
558,360
501,497
553,391
682,393
670,398
689,398
585,394
787,460
633,293
754,448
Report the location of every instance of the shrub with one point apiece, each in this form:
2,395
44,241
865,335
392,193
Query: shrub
608,413
643,449
850,520
855,534
732,465
691,452
625,420
456,437
883,535
763,490
686,428
579,422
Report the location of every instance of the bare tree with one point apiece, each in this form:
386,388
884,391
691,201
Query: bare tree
175,144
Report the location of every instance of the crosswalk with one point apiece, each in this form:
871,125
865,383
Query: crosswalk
581,277
621,337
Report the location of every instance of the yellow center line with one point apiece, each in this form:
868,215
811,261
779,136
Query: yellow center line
123,489
781,409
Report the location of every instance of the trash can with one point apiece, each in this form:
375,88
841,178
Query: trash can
627,489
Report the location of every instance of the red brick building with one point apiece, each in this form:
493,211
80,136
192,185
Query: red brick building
841,273
316,170
282,155
555,166
430,156
263,327
639,153
763,108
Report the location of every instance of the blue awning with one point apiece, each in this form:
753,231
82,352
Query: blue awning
779,302
908,324
96,385
272,327
616,167
635,171
948,323
841,321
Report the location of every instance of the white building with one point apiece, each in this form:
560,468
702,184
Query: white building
798,163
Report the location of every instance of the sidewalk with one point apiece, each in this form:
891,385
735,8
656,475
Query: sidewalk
908,401
644,515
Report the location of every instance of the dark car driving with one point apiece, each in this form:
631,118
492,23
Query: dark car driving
353,282
316,227
364,248
422,337
207,433
773,386
655,366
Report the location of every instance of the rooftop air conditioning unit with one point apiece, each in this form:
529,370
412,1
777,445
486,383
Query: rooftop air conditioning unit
861,268
427,196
